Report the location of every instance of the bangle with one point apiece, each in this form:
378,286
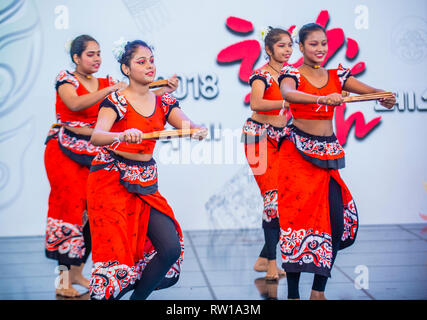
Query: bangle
117,139
318,99
282,111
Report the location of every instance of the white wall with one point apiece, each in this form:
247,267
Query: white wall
386,171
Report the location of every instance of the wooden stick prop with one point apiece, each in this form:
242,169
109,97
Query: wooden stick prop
369,96
169,134
158,84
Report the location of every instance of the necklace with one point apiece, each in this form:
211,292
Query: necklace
84,75
273,68
315,66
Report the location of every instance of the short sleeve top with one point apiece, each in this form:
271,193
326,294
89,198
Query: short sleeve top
82,118
128,117
272,89
336,80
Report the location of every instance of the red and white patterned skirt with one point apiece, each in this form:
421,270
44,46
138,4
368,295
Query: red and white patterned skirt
261,151
310,162
121,193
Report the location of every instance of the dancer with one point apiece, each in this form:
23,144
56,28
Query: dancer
321,216
261,133
67,157
136,241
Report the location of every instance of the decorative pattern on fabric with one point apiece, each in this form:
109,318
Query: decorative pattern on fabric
77,147
270,205
350,224
168,103
264,76
75,123
325,152
254,131
66,77
117,102
111,280
289,72
52,133
136,176
310,250
343,74
64,239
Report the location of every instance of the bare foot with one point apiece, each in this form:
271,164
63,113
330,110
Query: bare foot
76,276
67,292
281,272
317,295
84,282
261,264
64,287
272,273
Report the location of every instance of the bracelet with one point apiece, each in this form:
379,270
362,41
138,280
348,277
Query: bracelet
282,111
318,99
117,139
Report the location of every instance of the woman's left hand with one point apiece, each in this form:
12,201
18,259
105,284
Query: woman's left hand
172,84
200,134
388,102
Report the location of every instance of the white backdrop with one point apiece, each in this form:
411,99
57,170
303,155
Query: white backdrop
207,183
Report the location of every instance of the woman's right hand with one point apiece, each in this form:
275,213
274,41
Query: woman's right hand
118,86
333,99
131,136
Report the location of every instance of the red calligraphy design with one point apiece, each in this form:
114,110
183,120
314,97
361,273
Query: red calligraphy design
247,52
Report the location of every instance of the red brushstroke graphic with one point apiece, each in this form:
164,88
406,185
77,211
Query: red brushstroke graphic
239,25
249,51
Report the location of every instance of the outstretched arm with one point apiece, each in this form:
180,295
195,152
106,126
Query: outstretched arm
179,120
291,94
356,86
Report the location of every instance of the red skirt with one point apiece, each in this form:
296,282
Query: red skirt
121,194
262,154
64,239
310,162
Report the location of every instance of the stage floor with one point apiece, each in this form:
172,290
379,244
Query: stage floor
388,261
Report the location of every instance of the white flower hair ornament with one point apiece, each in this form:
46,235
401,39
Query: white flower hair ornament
67,45
294,35
119,48
263,33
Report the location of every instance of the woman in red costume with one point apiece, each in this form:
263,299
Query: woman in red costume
136,242
68,156
261,133
321,216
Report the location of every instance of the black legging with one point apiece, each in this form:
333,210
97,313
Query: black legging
336,213
271,236
162,233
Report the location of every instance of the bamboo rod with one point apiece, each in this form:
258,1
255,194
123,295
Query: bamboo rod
169,134
158,84
369,96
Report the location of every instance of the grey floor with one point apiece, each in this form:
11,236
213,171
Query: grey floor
388,261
